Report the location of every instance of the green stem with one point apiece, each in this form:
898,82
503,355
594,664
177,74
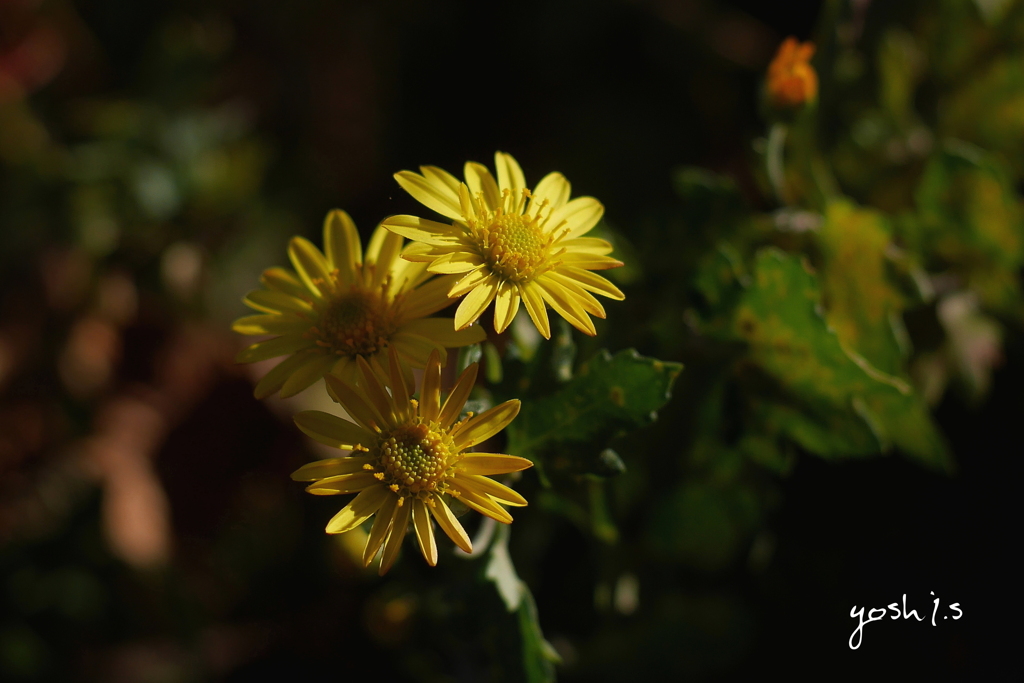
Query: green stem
774,161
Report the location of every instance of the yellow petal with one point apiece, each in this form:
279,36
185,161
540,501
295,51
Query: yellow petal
375,392
492,463
485,505
455,262
579,216
552,188
536,307
445,202
332,430
341,241
582,259
442,331
272,348
592,282
381,526
331,467
565,306
450,524
556,280
440,178
430,394
428,298
282,323
424,529
510,176
399,524
280,373
310,264
506,305
346,371
476,302
358,510
283,281
383,249
273,301
343,483
468,282
305,376
481,427
422,230
421,252
466,204
480,181
452,407
489,487
400,390
415,349
354,404
406,275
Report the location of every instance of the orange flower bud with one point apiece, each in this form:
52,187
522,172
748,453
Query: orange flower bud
792,81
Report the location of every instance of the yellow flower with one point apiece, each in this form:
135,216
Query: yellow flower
408,457
510,244
336,308
792,81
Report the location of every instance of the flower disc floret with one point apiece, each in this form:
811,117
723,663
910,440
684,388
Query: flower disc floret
415,458
513,245
356,322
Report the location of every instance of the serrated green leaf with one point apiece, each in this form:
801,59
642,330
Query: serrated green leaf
861,304
607,395
819,393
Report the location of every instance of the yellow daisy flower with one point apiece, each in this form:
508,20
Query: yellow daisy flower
408,457
335,308
510,244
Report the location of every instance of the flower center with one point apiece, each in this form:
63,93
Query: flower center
513,245
414,458
357,322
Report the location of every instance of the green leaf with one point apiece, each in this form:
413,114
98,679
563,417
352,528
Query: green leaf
988,107
608,394
719,275
862,305
967,202
969,217
813,389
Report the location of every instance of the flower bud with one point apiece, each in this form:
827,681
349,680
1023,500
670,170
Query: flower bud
792,81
